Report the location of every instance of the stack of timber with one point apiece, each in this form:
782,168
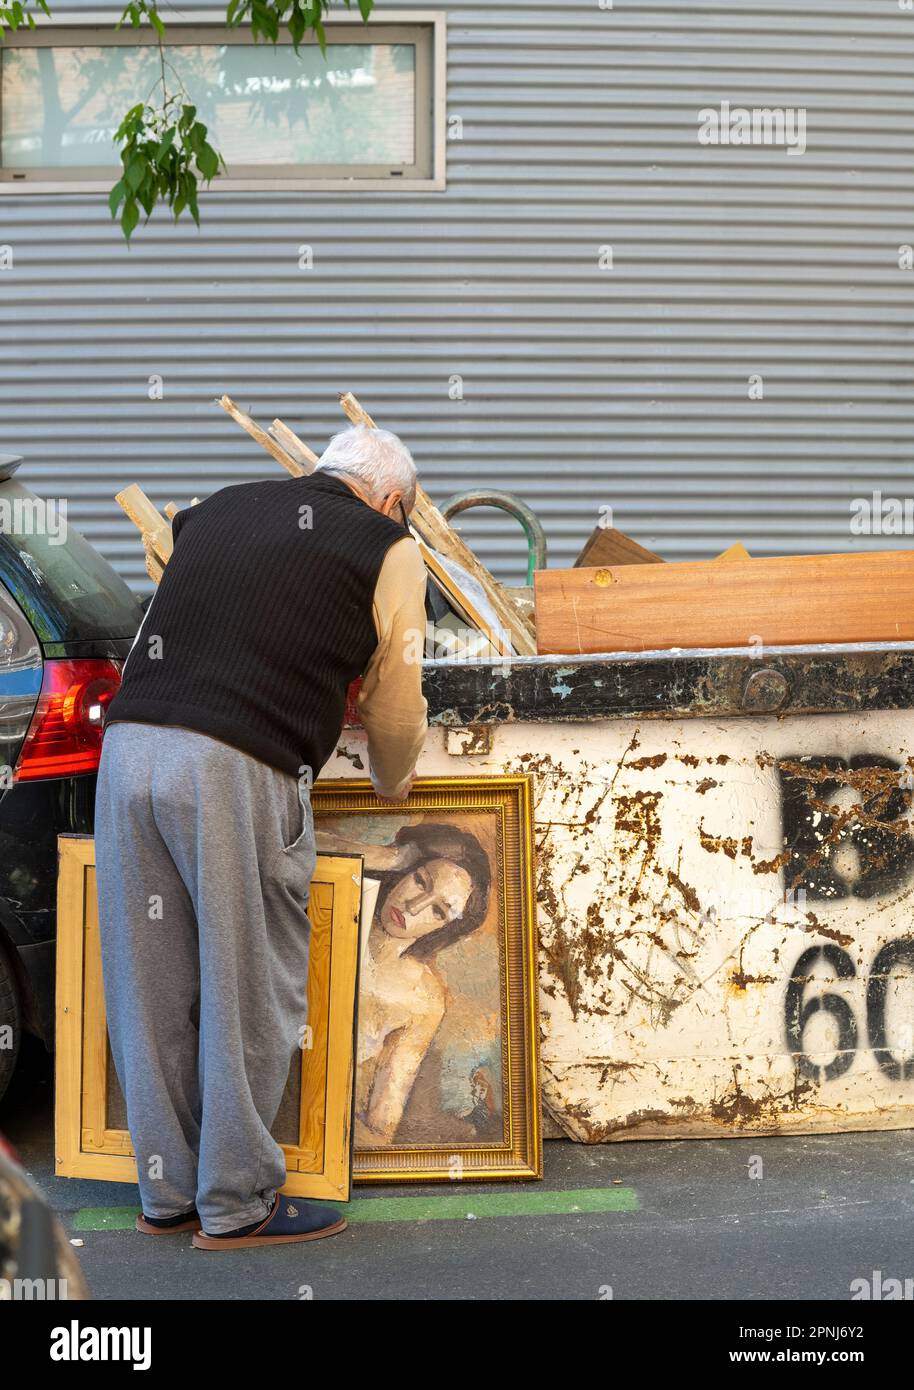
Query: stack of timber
511,633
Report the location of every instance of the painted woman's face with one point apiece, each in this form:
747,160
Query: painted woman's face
426,898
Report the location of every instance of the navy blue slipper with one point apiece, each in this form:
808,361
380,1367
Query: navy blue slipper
168,1225
290,1220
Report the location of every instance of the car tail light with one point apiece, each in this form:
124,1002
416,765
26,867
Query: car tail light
7,1151
65,735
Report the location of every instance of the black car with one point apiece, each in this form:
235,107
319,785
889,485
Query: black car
67,622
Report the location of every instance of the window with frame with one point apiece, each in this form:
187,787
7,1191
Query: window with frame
368,114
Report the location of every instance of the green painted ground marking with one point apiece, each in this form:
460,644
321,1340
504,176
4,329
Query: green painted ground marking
439,1206
105,1219
461,1206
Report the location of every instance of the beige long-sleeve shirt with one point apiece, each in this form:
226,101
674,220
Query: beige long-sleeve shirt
391,704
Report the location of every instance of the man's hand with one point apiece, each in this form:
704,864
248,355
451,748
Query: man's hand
402,792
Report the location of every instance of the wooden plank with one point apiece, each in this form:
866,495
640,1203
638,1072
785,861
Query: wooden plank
154,566
148,519
354,411
261,437
287,439
785,600
140,510
734,552
521,595
440,536
74,853
95,1032
607,546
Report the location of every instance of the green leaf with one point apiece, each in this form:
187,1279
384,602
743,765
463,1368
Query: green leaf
136,172
267,19
208,162
132,122
129,218
297,26
148,194
165,144
197,136
365,8
115,196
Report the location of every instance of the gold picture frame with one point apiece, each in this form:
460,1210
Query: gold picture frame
314,1126
494,1129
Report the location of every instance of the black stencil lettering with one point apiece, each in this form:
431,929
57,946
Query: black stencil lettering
798,1014
812,833
893,954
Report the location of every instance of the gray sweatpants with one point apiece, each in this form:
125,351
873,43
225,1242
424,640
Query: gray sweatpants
204,857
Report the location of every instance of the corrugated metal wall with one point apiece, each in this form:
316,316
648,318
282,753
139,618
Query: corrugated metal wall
583,387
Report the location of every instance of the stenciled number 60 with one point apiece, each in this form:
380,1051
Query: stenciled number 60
893,954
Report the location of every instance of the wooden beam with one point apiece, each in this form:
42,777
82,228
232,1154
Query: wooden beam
607,546
287,439
154,566
147,519
440,536
521,595
788,600
261,437
354,411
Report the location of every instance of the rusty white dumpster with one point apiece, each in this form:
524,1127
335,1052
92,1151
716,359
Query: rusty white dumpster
725,859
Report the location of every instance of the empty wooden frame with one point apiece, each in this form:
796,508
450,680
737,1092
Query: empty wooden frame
314,1124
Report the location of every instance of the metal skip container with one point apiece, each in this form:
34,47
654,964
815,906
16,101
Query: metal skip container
725,862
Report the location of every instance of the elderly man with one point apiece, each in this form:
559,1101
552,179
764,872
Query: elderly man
278,594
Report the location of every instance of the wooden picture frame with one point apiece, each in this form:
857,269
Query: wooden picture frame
459,600
314,1125
472,1099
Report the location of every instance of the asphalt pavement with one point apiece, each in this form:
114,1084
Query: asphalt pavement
699,1219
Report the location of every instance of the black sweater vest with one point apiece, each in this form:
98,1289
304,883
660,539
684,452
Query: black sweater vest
262,619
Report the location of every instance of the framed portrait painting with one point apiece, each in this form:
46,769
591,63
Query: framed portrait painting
446,1079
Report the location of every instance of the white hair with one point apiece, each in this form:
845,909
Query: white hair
378,461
